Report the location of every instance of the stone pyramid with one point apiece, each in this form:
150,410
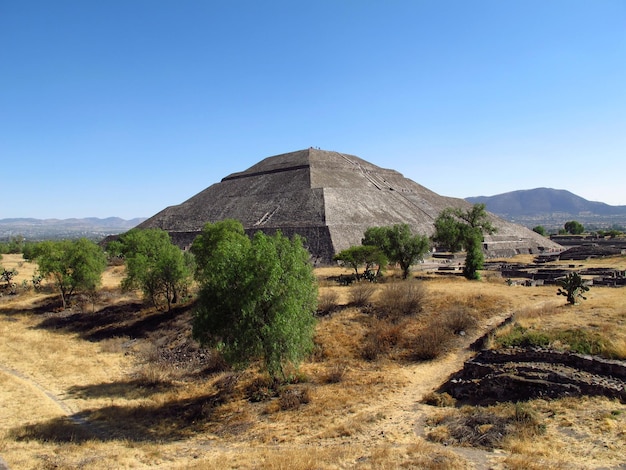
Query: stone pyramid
330,199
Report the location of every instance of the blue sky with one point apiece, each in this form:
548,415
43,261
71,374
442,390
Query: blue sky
121,108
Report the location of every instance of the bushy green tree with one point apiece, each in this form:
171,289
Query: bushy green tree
153,264
398,244
574,227
29,252
211,242
257,296
540,230
458,229
73,265
362,255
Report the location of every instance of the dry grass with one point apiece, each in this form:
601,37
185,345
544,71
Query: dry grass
554,434
601,318
399,299
327,301
362,293
345,412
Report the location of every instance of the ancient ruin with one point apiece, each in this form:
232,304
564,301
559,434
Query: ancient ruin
330,199
524,373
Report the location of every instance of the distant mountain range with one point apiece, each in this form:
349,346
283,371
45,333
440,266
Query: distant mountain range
44,229
551,208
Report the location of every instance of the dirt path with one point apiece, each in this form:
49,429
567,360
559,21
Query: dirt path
73,415
404,414
64,407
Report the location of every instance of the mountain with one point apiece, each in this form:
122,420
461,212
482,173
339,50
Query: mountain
330,199
551,208
44,229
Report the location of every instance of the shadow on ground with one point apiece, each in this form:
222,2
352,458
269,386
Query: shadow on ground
130,320
171,421
131,389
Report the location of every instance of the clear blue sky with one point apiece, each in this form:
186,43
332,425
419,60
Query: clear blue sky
124,107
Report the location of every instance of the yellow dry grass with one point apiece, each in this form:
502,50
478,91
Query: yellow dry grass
25,269
361,414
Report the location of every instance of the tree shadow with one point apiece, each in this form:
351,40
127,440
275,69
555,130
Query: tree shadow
127,320
175,420
131,389
43,305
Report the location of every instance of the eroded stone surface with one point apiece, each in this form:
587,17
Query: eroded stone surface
526,373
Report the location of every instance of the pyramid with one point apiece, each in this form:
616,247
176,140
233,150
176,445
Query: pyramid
330,199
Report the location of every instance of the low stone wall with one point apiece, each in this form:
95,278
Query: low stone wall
593,364
522,374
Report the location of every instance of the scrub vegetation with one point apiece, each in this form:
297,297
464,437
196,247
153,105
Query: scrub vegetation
117,382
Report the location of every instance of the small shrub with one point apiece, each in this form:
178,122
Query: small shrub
457,319
335,374
262,389
381,339
527,421
439,399
291,398
371,350
361,293
430,343
399,299
327,302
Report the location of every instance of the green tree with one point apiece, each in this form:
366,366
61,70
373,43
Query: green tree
398,244
29,251
458,229
214,237
153,264
573,227
540,230
257,296
13,246
362,255
73,265
572,286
